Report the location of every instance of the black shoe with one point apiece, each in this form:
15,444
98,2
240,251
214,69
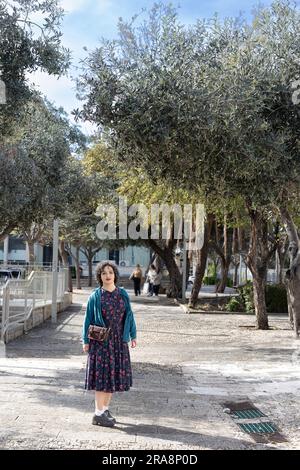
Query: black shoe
103,420
110,416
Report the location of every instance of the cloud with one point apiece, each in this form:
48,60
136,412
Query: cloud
73,5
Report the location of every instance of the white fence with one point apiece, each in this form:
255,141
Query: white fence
244,274
18,298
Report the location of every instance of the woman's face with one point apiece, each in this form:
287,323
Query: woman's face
108,276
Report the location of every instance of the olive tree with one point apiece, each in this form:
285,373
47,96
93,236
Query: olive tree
27,46
206,106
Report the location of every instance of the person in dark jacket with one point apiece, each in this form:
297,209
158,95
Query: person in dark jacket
108,367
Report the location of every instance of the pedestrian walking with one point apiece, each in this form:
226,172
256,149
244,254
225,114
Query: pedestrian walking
154,278
156,282
136,276
108,368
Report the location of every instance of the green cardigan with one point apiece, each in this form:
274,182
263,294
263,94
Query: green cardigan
93,316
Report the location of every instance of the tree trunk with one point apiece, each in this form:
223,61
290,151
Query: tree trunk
281,254
77,264
221,286
235,274
167,255
89,252
65,259
259,287
292,277
257,258
188,267
224,250
175,289
201,261
236,257
281,258
90,265
241,239
30,248
157,262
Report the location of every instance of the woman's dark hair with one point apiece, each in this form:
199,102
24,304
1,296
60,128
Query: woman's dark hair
100,268
153,266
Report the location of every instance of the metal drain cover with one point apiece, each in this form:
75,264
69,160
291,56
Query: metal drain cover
248,414
254,422
258,428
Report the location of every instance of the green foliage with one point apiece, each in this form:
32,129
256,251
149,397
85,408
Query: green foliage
17,174
244,301
38,178
213,280
212,101
234,305
276,298
212,270
26,46
209,280
246,293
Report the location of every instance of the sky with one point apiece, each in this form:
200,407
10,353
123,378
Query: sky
87,21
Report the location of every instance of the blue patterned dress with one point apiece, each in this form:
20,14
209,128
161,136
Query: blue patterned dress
108,364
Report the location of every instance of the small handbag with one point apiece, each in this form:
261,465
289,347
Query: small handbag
98,333
146,287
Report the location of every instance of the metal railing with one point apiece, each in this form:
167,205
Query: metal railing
26,269
19,297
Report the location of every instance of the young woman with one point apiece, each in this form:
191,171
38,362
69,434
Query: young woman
108,364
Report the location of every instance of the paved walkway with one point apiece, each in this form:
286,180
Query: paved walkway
184,369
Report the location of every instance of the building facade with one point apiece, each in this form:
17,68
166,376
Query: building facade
14,251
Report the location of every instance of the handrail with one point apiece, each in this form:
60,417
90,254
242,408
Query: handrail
25,295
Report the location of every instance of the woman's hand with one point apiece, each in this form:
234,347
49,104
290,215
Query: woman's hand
86,348
133,343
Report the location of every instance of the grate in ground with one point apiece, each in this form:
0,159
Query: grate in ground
254,422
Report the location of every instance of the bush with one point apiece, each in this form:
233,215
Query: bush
234,305
213,280
246,293
211,270
243,302
210,280
276,298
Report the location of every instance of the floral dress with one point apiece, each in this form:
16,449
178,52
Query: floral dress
108,364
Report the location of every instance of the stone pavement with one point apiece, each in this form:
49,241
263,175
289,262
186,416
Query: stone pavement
184,369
